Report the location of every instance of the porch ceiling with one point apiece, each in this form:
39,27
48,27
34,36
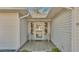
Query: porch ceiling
43,12
54,11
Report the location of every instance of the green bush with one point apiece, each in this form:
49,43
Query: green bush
24,50
55,50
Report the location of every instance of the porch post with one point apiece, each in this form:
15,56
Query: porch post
48,35
29,31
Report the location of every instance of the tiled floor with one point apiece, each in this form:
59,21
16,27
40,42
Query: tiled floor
38,46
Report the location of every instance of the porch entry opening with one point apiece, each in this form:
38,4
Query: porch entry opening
38,30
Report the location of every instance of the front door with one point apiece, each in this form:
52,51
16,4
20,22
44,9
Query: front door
38,30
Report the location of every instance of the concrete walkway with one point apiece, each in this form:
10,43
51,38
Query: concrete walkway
38,46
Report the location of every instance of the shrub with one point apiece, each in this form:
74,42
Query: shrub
24,50
55,50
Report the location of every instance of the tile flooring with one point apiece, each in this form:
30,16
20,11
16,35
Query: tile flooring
38,46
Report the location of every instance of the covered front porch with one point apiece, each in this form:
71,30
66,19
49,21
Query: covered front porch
43,31
38,36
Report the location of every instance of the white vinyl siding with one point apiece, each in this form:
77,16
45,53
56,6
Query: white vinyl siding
76,40
23,31
61,32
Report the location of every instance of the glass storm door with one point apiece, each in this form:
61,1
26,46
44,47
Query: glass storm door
39,30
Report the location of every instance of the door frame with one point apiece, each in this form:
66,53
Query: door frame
29,29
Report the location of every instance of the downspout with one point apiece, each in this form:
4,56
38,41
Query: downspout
24,16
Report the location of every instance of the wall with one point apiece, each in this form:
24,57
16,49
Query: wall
75,41
62,30
8,31
23,31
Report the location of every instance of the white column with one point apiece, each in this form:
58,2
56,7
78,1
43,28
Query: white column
29,31
48,35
